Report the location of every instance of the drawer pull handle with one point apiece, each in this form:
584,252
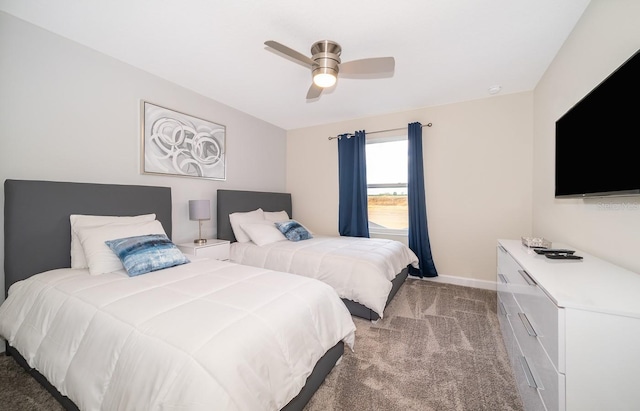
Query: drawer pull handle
527,373
503,279
527,277
527,325
503,310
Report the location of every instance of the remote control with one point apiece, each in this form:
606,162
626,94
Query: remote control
563,256
554,251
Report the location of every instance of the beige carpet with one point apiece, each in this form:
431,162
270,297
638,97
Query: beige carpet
438,348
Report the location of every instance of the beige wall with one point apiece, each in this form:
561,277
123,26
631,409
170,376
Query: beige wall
607,34
478,162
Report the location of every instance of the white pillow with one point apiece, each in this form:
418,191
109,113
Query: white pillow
276,216
79,221
263,232
238,218
99,256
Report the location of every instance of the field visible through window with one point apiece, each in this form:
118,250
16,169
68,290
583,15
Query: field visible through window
388,211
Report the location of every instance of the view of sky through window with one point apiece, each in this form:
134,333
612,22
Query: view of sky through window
387,163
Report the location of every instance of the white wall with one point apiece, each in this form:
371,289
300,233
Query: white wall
478,162
68,113
607,34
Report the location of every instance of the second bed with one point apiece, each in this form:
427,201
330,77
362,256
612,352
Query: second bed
365,272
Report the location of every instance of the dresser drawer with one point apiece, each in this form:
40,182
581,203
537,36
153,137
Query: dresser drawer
505,328
549,381
510,343
546,319
529,394
506,301
508,282
218,252
510,271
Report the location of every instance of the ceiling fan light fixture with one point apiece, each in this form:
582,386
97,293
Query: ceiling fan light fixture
324,80
325,64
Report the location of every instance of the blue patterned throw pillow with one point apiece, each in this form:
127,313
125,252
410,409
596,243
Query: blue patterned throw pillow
293,230
145,253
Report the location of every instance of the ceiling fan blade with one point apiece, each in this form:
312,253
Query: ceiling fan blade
314,91
368,68
290,52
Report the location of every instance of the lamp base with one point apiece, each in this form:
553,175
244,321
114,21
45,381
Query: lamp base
200,241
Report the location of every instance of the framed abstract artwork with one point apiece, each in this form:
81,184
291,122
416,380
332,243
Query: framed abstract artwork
177,144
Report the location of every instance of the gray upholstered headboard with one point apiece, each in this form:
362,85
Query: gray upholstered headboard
231,201
37,232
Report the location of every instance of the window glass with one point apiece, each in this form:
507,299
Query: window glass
387,184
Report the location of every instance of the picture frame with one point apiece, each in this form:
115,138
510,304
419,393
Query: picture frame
178,144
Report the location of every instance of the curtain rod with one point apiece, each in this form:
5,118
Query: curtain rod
379,131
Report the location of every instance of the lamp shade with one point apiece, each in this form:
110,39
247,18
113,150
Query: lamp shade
199,210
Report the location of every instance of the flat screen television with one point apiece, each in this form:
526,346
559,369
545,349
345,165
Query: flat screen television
596,139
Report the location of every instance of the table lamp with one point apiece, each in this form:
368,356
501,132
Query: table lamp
199,210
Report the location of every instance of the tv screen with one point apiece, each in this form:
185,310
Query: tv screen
596,139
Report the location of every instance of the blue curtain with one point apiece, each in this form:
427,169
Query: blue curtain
353,219
418,231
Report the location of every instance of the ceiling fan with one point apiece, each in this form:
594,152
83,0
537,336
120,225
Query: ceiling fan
325,64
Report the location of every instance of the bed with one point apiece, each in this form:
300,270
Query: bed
205,334
365,272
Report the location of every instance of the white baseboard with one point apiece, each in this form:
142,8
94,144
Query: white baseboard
467,282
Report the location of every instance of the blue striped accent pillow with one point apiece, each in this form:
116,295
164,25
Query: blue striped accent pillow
145,253
293,230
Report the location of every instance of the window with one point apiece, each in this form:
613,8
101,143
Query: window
387,185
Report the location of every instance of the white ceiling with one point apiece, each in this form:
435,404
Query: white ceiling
446,51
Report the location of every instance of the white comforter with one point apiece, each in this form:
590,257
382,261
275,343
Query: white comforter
359,269
208,335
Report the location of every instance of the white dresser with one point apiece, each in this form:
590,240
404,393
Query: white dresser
571,328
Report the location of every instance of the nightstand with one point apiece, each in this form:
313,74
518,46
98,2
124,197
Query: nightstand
213,248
